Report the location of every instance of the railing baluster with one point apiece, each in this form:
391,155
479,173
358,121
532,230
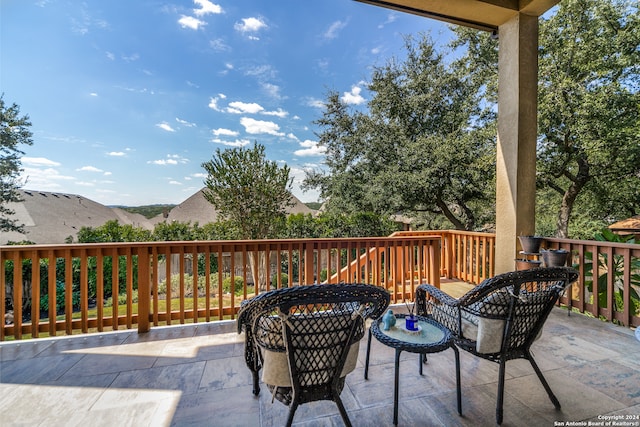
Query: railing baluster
399,263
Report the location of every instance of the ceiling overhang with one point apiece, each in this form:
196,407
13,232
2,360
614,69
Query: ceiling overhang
485,15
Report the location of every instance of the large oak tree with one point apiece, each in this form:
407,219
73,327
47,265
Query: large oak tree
425,147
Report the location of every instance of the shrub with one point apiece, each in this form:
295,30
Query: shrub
122,299
60,298
238,285
284,280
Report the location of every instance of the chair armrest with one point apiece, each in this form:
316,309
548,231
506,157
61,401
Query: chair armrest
426,292
442,307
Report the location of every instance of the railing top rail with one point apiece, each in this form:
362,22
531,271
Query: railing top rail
217,242
574,242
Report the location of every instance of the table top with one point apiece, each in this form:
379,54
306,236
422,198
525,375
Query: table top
432,338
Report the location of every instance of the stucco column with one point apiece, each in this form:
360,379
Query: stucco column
517,132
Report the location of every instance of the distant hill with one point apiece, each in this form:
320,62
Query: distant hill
314,205
148,211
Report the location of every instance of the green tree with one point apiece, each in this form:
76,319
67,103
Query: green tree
589,115
588,165
14,131
426,145
110,231
252,194
249,191
113,231
174,231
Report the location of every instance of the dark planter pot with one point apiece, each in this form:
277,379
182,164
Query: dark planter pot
555,257
530,244
526,264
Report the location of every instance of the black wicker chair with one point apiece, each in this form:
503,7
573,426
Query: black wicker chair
499,319
305,339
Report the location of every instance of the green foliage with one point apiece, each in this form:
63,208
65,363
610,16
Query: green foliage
314,205
174,231
112,231
248,190
148,211
60,298
425,144
600,280
188,285
238,285
588,151
14,131
284,281
122,299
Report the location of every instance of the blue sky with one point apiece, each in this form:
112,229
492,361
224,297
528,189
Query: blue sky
127,99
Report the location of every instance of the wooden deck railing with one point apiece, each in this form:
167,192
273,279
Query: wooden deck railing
609,283
97,287
81,288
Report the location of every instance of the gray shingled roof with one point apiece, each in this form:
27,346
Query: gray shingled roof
197,209
53,217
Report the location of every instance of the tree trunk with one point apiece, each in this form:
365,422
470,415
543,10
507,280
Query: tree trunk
258,263
457,224
569,198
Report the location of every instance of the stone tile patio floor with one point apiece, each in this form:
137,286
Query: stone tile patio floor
195,375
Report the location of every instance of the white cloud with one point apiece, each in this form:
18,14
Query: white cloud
213,102
163,162
206,7
172,159
199,175
263,72
219,45
85,183
185,123
43,179
315,103
130,58
334,29
190,22
93,94
392,17
238,107
165,126
236,143
116,153
225,132
175,183
250,25
353,97
89,169
110,56
272,90
38,161
311,148
278,113
253,126
298,175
